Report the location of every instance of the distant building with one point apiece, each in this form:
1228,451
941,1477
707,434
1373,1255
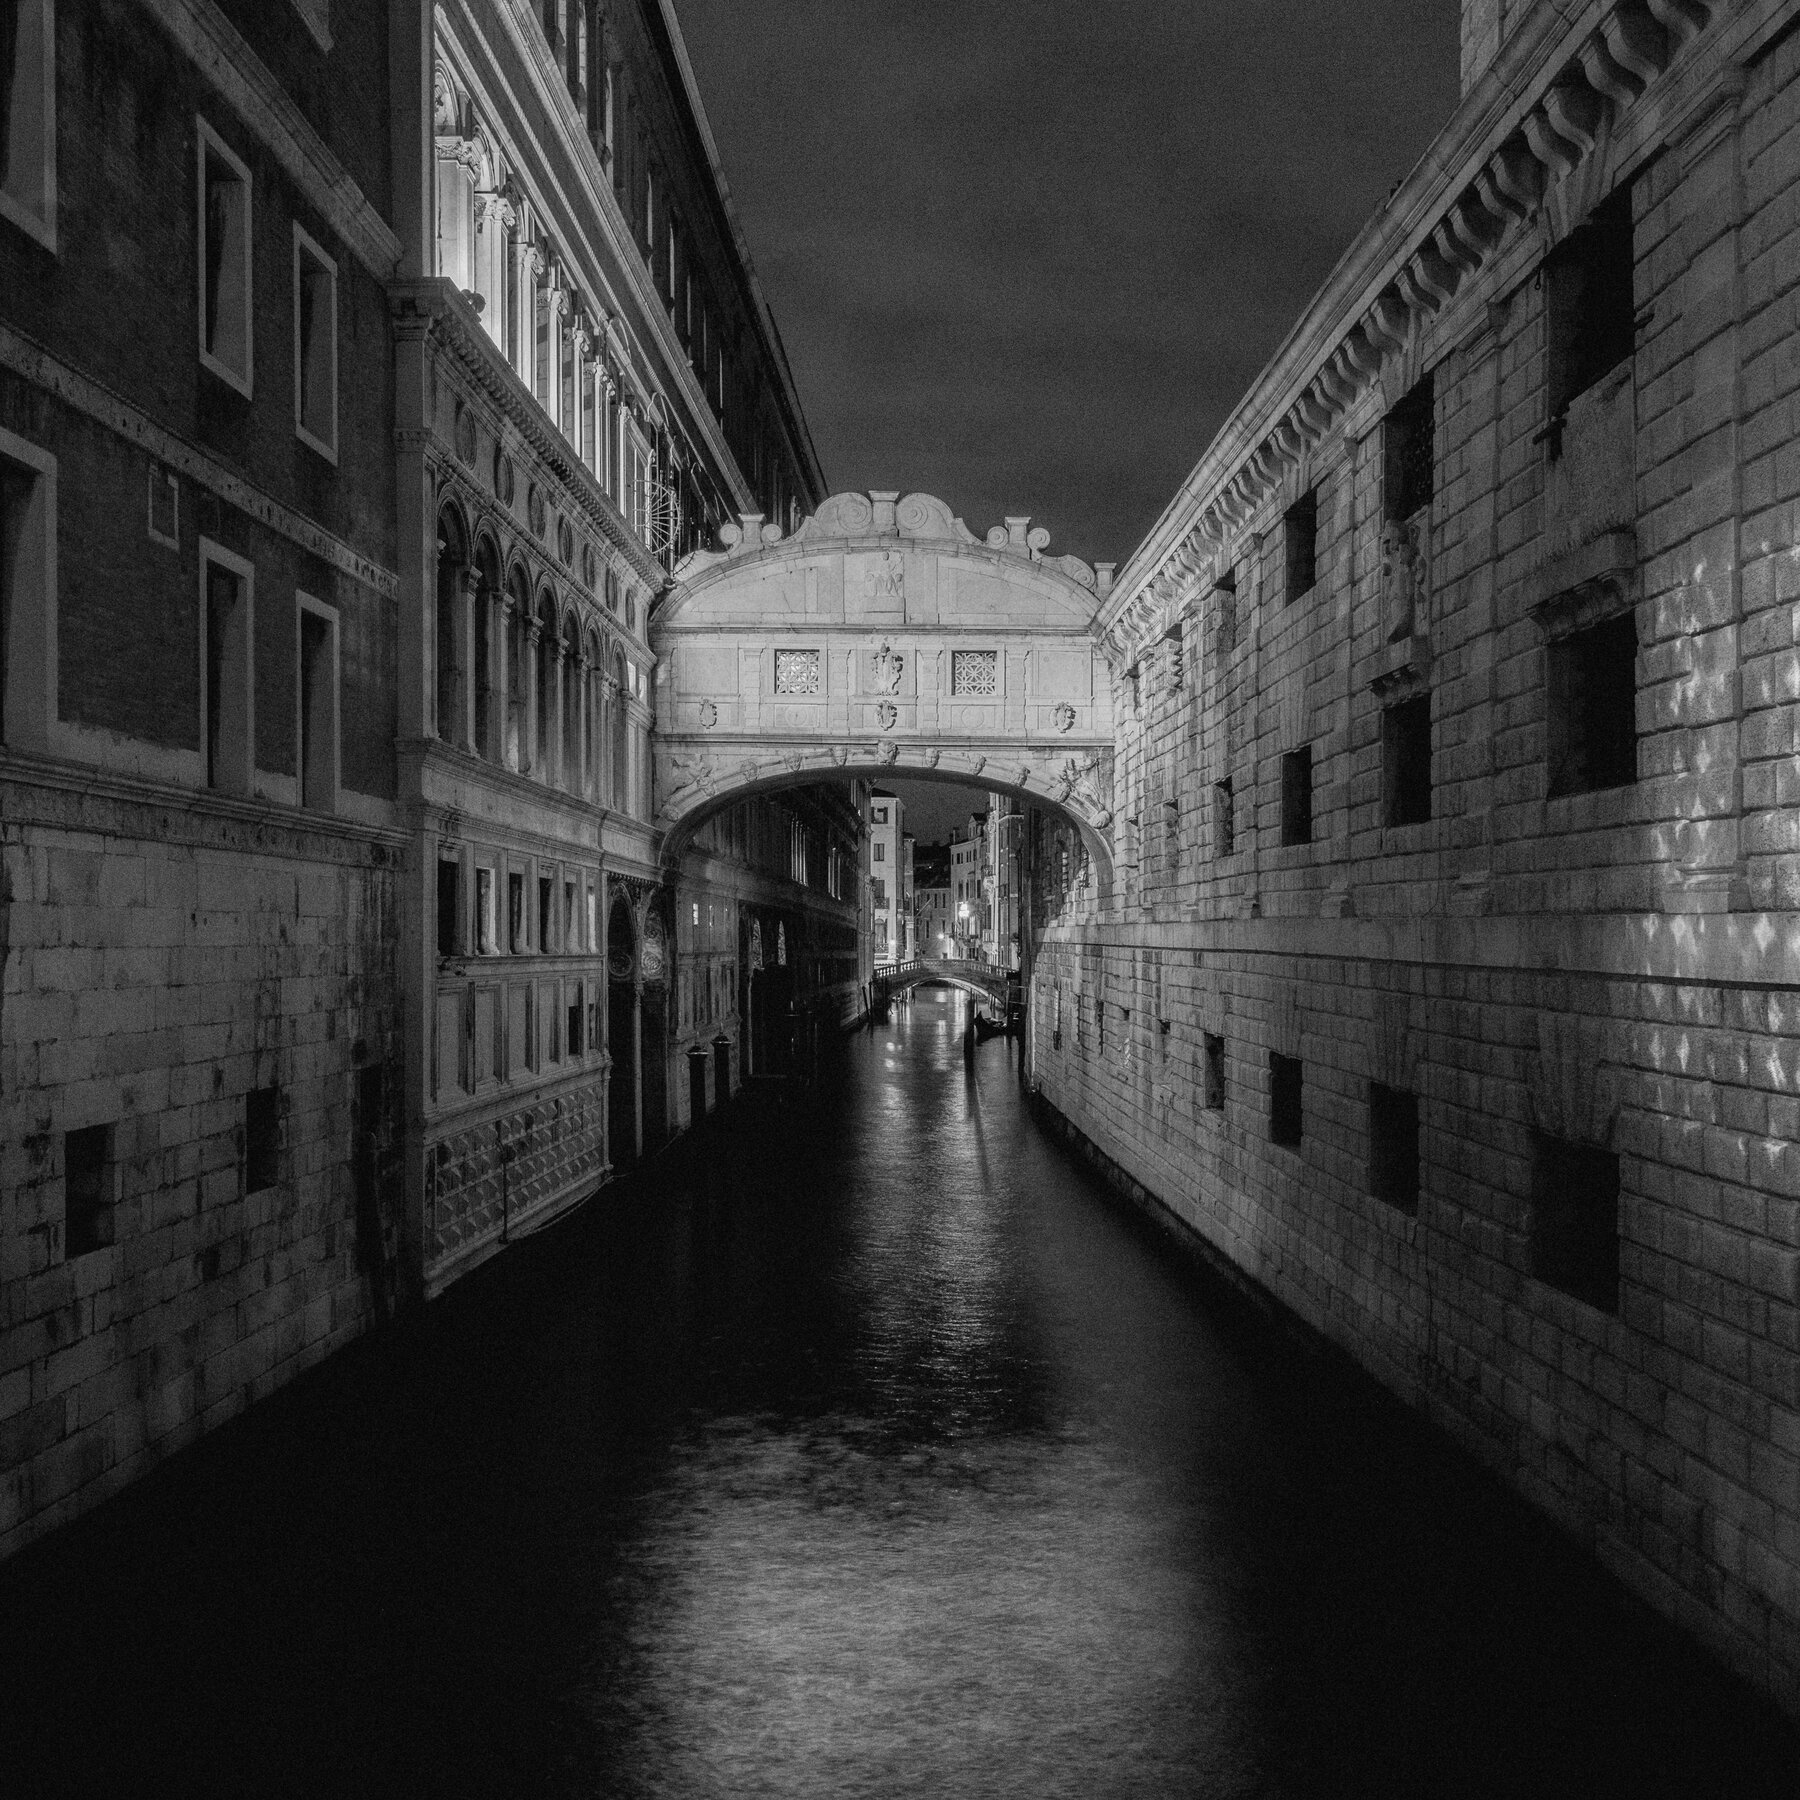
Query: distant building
933,907
886,875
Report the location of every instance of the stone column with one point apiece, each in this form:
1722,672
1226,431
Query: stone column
577,426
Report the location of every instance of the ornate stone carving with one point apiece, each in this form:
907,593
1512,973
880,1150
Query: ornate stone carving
886,750
536,513
465,435
1402,576
887,584
932,756
1064,716
797,672
887,712
709,714
565,541
693,773
504,479
975,673
886,667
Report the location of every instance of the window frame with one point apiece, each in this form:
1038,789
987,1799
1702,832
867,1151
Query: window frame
41,225
306,606
208,141
28,654
244,782
306,245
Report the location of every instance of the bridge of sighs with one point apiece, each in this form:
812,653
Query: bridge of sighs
883,638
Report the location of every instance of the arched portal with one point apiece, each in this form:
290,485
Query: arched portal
622,1034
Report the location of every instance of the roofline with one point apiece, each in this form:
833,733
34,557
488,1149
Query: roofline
765,315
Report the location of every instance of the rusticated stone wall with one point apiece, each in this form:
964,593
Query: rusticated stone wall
1543,975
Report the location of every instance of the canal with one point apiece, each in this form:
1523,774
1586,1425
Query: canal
865,1447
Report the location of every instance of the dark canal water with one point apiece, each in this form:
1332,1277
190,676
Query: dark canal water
868,1451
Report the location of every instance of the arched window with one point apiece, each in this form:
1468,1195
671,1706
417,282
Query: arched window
573,696
621,742
518,672
594,786
546,688
452,567
489,623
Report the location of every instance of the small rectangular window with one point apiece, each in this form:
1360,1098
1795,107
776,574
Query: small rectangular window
89,1190
1224,825
486,938
1394,1146
515,912
1590,722
318,735
1575,1219
1296,796
1286,1114
449,906
881,852
571,921
1300,544
1215,1073
165,507
573,1022
224,244
315,345
228,677
262,1139
546,914
1406,454
1589,316
28,117
1406,761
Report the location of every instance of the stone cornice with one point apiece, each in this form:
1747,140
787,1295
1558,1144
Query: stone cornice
434,306
1569,77
185,815
38,367
208,39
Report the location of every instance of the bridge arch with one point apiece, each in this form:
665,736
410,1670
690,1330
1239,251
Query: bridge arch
692,809
882,638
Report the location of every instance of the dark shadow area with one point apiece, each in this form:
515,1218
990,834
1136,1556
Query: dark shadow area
859,1444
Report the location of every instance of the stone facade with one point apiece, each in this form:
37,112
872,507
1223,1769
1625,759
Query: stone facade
338,943
200,849
1448,985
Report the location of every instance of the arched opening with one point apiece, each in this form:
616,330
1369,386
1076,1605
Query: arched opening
490,618
518,671
593,787
544,655
622,1035
572,700
621,737
452,590
658,993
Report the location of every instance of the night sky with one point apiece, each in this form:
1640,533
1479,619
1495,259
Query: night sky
1026,256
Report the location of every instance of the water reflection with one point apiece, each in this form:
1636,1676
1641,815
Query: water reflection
864,1449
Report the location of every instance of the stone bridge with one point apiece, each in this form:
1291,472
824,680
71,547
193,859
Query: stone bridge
883,638
989,981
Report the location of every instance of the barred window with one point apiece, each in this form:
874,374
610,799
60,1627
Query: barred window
796,671
975,673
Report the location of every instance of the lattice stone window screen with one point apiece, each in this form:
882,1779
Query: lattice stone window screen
796,671
975,673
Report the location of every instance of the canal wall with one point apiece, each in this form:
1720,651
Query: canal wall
199,1048
1443,975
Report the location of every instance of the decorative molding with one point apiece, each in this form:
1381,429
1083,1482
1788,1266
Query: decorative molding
37,366
208,39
